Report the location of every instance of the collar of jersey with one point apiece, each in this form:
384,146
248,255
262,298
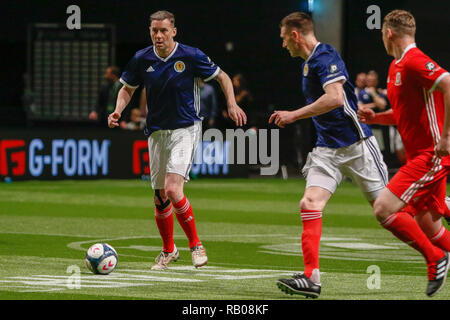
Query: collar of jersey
412,45
312,53
169,56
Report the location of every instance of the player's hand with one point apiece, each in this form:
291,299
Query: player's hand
113,119
442,148
282,118
237,115
366,115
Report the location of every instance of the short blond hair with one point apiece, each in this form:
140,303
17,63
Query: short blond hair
401,21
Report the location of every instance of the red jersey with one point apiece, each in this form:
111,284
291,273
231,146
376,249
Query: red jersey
418,109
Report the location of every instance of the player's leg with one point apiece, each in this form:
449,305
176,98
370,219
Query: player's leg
311,207
183,143
182,207
322,179
368,170
370,173
388,211
164,219
430,220
163,207
387,206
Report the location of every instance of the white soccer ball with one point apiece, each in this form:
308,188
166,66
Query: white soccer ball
101,258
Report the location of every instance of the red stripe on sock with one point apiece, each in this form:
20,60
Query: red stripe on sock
185,217
442,239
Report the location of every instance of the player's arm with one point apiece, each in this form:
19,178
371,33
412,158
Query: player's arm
123,98
143,103
443,146
369,116
332,98
234,111
131,80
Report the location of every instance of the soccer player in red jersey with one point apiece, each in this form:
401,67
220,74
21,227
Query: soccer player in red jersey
412,204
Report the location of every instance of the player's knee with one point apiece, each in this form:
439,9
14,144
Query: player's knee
381,210
160,199
311,203
174,193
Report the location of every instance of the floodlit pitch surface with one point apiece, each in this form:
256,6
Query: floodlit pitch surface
250,228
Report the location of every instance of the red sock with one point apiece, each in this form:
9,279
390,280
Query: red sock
164,221
404,227
312,230
441,239
185,217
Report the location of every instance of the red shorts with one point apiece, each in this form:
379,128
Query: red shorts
421,183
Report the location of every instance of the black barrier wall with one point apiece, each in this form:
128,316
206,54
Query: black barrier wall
89,154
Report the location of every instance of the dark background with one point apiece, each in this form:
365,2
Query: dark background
251,25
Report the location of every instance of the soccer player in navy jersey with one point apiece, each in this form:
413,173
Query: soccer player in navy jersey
344,145
170,72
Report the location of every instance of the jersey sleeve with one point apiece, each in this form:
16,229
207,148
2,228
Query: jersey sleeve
427,72
131,76
204,67
329,68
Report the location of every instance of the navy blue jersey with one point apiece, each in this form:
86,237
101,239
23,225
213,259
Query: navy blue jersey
171,83
339,127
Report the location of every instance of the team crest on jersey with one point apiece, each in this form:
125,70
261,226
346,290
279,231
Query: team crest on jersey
430,66
305,70
398,79
179,66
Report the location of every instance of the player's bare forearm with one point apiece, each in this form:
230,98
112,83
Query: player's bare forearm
123,98
227,87
332,99
322,105
234,111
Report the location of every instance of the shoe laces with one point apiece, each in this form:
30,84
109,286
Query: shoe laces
161,259
432,270
198,251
